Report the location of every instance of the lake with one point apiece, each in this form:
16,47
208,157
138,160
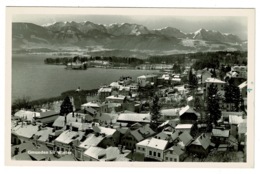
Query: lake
32,78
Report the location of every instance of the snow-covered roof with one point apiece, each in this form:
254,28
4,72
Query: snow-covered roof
214,80
24,130
235,119
117,97
243,85
187,109
220,133
145,142
91,140
184,126
68,136
157,143
134,117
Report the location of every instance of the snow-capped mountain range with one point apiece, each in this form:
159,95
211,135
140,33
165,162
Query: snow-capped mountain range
124,36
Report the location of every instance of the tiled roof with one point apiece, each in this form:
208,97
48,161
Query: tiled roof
186,138
142,132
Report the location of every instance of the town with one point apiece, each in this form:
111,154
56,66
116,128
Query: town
188,112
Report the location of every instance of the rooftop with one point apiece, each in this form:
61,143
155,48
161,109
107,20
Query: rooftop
203,140
24,130
157,143
134,117
220,133
184,126
214,80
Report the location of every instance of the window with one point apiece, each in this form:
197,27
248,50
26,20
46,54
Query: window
150,152
166,158
154,153
170,159
143,149
175,160
139,148
159,155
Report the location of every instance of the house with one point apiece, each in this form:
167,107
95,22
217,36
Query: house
200,146
94,105
147,80
24,132
219,136
183,140
47,117
75,121
108,154
116,99
189,128
169,114
42,136
174,154
104,92
203,75
26,115
91,140
111,135
169,123
188,115
225,115
130,139
155,149
124,90
134,118
64,142
141,146
218,83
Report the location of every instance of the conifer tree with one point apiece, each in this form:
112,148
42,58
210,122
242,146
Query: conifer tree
155,111
213,108
66,106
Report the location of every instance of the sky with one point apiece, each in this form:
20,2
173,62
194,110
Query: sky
225,24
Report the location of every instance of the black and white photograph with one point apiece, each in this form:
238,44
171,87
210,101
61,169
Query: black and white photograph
134,85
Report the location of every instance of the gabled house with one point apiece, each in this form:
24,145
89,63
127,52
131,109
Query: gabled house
219,136
174,154
155,149
188,115
133,137
116,99
200,146
24,132
64,142
105,154
184,139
